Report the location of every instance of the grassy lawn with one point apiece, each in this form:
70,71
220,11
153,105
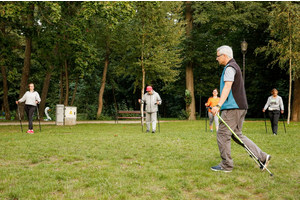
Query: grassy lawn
117,161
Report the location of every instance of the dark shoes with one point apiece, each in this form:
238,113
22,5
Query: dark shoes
149,131
218,168
265,163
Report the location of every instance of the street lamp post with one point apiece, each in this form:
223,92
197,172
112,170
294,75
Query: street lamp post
244,46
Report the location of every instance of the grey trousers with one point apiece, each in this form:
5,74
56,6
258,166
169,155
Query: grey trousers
234,119
213,118
151,117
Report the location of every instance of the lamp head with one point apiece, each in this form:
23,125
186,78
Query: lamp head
244,46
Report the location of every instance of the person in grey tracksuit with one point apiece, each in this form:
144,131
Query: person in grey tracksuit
151,100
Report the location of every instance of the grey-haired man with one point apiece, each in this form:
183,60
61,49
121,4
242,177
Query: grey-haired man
233,104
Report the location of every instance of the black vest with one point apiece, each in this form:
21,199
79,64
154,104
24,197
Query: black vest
237,90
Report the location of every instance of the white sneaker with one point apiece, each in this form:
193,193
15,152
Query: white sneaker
266,163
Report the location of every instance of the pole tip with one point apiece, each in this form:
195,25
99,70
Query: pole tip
271,174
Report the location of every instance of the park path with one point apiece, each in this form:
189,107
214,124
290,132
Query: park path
93,122
80,122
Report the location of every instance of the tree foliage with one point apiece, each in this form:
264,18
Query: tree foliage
284,27
151,40
143,39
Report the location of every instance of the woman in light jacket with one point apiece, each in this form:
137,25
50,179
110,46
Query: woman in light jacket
152,100
31,98
274,105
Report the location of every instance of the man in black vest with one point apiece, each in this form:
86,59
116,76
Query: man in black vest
233,104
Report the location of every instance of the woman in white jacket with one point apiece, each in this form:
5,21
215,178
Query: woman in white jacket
274,105
31,98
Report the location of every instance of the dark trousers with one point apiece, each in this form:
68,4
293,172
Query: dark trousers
274,117
30,109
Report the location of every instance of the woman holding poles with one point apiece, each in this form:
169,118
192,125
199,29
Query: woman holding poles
31,98
274,105
211,102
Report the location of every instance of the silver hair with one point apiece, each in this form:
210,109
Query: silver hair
226,50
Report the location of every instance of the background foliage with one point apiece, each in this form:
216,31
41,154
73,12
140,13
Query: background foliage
80,33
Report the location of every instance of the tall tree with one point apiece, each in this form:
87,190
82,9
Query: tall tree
214,26
296,98
27,59
107,16
3,71
24,23
46,45
190,96
285,47
152,37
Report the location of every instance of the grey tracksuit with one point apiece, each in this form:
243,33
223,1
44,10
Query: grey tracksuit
151,108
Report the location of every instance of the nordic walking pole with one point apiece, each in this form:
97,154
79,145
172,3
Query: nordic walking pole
265,122
142,115
283,122
158,119
206,110
20,118
257,161
37,111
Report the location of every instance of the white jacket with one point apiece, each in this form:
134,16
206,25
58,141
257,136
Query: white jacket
151,102
30,98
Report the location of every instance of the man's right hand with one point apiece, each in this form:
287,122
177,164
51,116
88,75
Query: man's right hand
215,110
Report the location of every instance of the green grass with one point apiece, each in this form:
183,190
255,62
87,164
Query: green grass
117,161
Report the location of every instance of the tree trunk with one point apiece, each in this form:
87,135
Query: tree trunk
45,92
143,80
75,90
61,96
296,101
101,92
113,90
189,67
27,62
142,90
4,78
66,102
46,87
290,72
5,94
25,74
290,94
